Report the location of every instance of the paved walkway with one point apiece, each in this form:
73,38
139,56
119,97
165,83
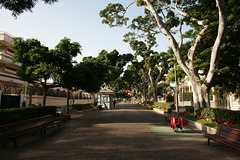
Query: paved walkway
125,133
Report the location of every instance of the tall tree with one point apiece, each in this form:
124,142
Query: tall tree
90,75
154,63
65,51
116,62
39,64
204,16
134,76
19,6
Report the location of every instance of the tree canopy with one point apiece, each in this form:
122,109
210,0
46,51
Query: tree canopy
39,64
19,6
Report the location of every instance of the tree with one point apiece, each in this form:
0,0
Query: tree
90,75
134,76
19,6
64,51
154,63
204,16
39,64
116,62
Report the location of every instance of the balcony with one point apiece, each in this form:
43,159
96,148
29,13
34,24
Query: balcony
6,39
5,57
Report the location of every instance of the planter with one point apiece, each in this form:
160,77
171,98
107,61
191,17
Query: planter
199,126
191,124
160,111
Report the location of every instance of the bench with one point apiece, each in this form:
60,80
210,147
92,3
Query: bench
14,131
226,136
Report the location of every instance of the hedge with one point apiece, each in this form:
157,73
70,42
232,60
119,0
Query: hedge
21,114
82,106
166,105
218,114
189,109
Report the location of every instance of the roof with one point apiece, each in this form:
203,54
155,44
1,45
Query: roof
105,91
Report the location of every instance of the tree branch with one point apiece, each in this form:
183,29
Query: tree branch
150,77
200,22
128,7
220,36
230,29
181,60
181,36
192,50
159,75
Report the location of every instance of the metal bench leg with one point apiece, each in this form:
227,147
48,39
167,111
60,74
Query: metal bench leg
59,127
208,142
15,143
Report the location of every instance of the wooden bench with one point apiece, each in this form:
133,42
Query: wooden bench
18,130
226,136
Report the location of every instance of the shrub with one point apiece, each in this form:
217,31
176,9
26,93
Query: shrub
220,115
21,114
165,105
83,106
186,96
148,102
189,109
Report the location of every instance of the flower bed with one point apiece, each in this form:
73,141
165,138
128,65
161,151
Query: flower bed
212,117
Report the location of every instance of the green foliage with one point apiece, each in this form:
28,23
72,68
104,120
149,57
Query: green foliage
19,6
83,106
166,105
114,15
20,114
90,75
189,109
122,94
148,102
202,121
38,63
220,114
186,96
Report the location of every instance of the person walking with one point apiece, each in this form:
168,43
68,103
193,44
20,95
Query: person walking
114,103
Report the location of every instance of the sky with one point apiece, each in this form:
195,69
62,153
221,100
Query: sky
78,20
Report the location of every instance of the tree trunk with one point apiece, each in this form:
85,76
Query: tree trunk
93,97
68,97
30,95
200,96
44,95
155,93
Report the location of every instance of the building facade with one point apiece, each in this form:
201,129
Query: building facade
10,83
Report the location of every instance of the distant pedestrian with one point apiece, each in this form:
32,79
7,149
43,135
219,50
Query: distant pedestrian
114,103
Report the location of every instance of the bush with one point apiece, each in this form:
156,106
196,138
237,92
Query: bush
220,115
165,105
186,96
147,102
83,106
189,109
21,114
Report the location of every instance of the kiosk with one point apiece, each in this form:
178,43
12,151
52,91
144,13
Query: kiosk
104,98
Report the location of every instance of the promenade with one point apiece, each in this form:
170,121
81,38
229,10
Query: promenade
125,133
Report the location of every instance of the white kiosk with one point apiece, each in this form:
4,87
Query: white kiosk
104,97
